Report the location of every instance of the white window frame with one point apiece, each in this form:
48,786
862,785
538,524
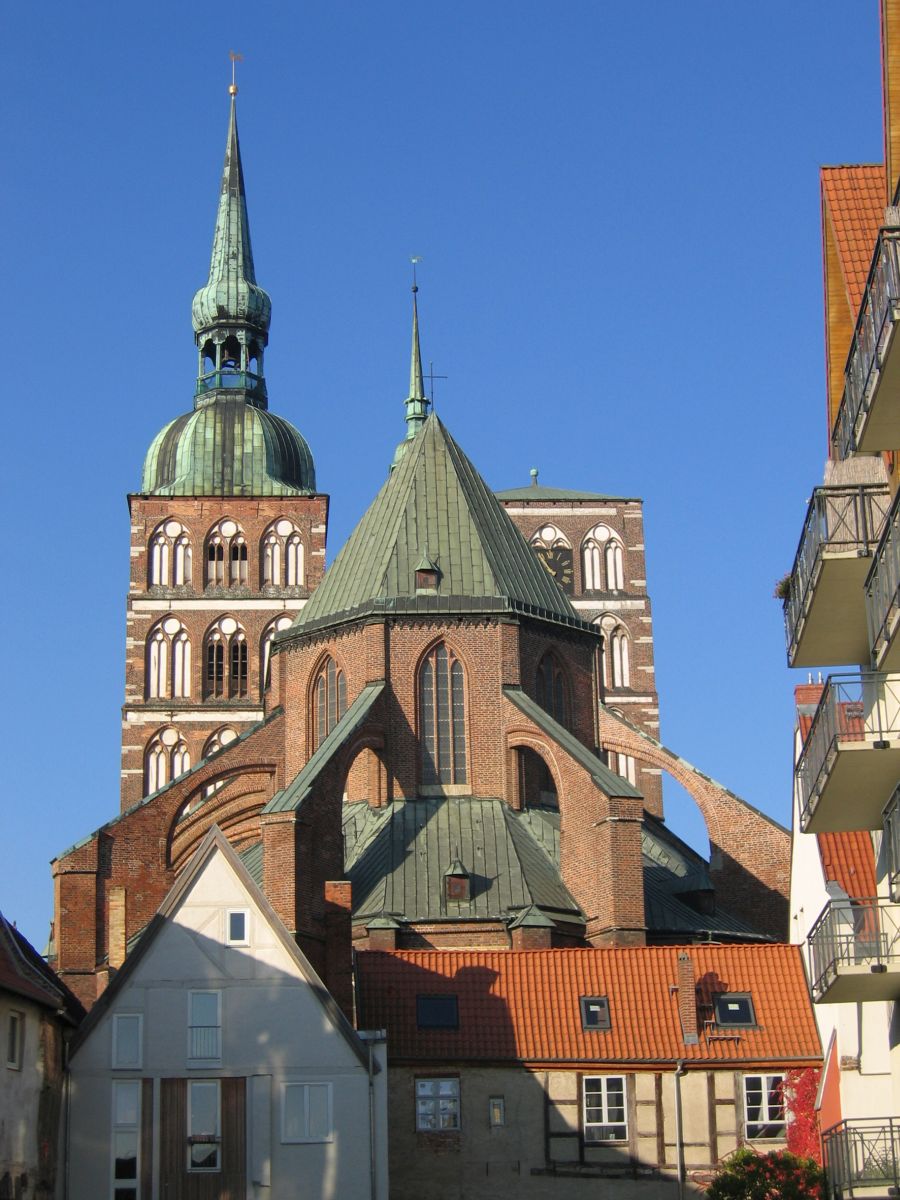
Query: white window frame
607,1122
15,1039
116,1127
453,1094
204,1060
229,940
767,1082
213,1136
304,1087
138,1063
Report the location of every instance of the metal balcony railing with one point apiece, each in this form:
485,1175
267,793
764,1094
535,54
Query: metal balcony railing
872,326
840,519
205,1041
854,708
851,933
231,379
883,581
891,843
862,1154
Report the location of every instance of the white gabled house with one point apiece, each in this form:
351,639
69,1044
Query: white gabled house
217,1064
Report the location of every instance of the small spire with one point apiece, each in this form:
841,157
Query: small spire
534,476
417,403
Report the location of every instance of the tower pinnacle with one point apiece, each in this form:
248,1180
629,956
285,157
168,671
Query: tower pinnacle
416,402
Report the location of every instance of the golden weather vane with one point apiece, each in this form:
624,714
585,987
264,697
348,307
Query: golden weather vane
235,58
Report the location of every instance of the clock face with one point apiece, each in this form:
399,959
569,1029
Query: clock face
558,561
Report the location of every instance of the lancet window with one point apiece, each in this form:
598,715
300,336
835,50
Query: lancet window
442,718
226,667
170,557
167,757
168,661
282,555
226,555
329,699
616,652
550,688
592,555
265,649
615,569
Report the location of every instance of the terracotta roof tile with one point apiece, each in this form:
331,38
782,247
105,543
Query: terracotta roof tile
849,859
524,1005
853,198
24,973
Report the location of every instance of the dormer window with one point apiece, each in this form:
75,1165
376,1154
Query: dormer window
456,887
427,576
595,1013
734,1009
437,1012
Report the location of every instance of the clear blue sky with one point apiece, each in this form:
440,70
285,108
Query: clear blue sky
617,209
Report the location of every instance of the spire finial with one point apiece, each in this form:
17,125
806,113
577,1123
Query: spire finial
235,58
416,402
534,476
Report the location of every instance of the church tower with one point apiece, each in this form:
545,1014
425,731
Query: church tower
227,531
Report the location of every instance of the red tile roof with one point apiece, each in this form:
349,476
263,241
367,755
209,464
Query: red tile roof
24,973
849,859
524,1005
854,200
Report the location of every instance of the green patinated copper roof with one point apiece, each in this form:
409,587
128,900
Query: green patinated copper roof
416,402
231,295
537,491
435,503
229,448
608,781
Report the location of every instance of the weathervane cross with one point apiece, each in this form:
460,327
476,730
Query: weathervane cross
235,58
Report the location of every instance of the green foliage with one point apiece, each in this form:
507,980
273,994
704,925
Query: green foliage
776,1176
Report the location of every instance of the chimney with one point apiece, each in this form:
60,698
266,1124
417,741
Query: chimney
338,964
382,933
687,999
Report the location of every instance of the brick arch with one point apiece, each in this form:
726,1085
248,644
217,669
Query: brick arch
370,741
528,739
750,857
235,810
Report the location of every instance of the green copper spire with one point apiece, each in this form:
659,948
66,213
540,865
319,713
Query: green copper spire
416,402
231,313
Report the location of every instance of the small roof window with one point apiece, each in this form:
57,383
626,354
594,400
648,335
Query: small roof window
734,1009
595,1012
437,1012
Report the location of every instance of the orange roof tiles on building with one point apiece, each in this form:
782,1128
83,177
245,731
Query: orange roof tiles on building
525,1005
849,859
853,199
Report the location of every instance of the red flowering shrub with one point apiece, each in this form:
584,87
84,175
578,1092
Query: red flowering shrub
800,1087
780,1175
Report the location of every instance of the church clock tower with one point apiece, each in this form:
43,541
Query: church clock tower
227,531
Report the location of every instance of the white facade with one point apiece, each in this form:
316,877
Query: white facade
217,1051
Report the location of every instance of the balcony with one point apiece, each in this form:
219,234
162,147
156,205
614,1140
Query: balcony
230,379
883,594
850,761
854,952
824,615
862,1157
868,419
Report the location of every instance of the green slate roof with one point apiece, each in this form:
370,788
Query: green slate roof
229,448
435,502
231,295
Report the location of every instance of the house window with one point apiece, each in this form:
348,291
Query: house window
204,1125
237,921
604,1108
437,1105
437,1012
127,1031
734,1009
204,1026
442,718
497,1111
595,1012
764,1106
15,1038
126,1116
306,1113
330,691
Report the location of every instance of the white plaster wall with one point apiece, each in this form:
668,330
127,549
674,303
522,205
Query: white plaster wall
19,1092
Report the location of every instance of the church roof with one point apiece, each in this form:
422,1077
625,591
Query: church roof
229,448
435,503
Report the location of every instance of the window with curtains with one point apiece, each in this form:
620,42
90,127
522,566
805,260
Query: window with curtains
442,718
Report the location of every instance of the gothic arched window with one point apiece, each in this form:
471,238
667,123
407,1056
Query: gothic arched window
170,557
329,699
167,757
168,661
616,652
615,570
592,557
442,718
226,665
282,555
550,688
265,647
226,555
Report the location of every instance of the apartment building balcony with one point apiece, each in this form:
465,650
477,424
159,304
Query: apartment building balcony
862,1157
883,594
850,762
824,614
854,952
868,419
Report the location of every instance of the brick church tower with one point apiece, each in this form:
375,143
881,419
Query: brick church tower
227,530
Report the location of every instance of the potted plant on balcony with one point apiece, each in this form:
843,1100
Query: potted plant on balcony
783,588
